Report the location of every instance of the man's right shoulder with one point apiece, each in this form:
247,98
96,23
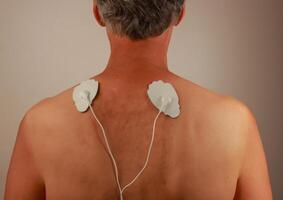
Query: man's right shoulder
50,111
38,107
37,111
51,105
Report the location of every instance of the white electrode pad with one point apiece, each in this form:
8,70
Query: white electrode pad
157,90
87,88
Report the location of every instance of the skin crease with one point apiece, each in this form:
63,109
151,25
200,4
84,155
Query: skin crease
212,150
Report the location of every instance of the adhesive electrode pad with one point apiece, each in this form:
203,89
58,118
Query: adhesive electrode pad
87,88
159,89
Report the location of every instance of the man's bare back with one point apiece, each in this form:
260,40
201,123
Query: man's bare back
198,155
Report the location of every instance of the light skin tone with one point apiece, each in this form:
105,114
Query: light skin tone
213,150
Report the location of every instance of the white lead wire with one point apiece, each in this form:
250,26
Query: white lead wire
121,190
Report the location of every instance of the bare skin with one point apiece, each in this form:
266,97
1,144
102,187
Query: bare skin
212,150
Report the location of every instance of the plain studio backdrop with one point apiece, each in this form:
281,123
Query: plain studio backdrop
232,47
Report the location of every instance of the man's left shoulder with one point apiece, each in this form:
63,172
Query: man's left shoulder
233,111
231,121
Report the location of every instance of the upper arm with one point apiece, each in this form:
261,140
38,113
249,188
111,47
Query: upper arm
253,181
24,180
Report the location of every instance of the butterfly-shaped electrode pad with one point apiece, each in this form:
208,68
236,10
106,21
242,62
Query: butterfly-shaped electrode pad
86,89
158,90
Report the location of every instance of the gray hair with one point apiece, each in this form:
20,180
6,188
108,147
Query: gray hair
139,19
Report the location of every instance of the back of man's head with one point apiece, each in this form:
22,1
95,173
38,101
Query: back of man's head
139,19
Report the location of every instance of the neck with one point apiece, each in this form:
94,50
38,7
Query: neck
136,58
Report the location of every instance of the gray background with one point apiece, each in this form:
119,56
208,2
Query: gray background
232,47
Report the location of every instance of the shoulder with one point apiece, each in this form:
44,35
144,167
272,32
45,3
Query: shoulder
228,128
214,106
48,114
47,108
45,126
216,116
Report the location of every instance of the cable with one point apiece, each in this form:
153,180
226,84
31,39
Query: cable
121,190
108,148
148,154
